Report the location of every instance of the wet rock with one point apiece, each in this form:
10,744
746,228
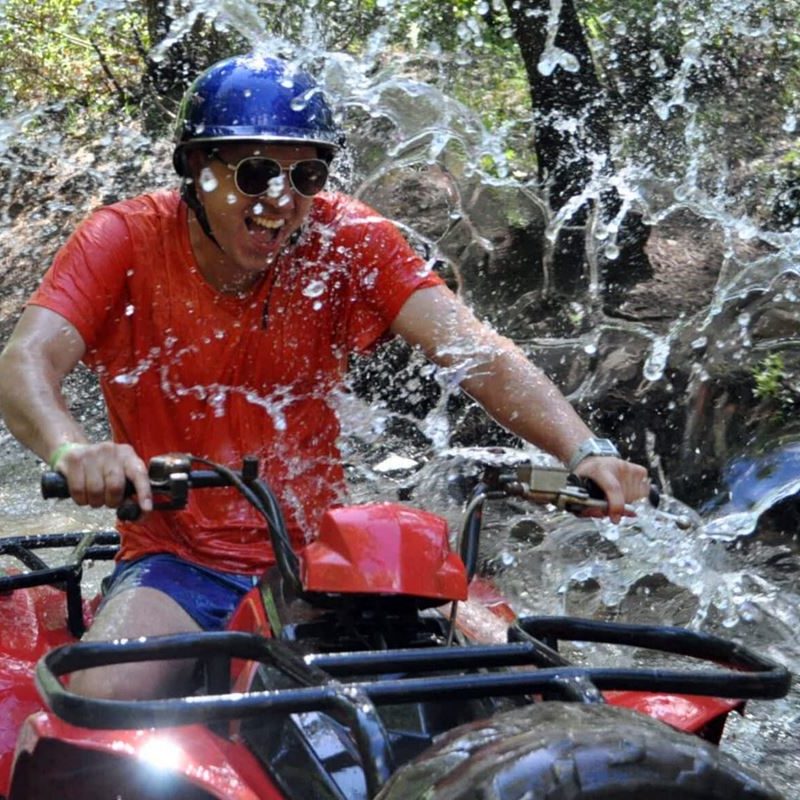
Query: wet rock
529,531
685,252
575,540
420,198
583,598
618,366
752,621
655,599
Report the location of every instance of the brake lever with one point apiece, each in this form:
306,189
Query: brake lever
568,492
169,479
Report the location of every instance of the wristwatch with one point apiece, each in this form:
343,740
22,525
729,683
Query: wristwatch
592,447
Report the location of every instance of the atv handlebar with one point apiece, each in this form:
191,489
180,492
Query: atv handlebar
171,477
54,484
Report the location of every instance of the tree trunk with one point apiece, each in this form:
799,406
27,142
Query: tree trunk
572,129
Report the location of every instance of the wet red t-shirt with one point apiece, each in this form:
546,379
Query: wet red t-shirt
184,368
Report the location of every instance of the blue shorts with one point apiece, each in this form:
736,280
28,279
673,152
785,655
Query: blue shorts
208,596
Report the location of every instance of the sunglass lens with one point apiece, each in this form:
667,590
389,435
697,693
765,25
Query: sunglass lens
309,177
253,175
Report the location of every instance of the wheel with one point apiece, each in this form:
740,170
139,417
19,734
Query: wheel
570,751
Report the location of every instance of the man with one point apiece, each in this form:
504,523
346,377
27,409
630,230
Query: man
220,323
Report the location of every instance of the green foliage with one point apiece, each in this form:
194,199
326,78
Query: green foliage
452,25
49,53
772,382
769,377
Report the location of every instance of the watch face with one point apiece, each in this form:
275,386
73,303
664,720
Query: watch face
593,447
603,447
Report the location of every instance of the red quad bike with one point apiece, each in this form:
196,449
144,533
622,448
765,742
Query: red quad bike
366,666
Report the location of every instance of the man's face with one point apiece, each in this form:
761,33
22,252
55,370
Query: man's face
251,230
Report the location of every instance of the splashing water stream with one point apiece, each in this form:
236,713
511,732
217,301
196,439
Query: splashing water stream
420,156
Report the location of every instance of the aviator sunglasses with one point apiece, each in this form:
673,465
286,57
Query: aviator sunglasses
253,174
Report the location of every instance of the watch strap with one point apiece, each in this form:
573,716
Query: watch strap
592,447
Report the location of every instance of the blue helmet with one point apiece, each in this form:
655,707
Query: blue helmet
258,98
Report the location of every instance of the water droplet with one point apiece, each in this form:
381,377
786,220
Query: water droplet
682,192
556,57
277,186
129,310
508,559
208,181
314,289
217,401
657,360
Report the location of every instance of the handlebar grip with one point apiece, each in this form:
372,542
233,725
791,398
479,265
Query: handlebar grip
54,485
592,489
596,493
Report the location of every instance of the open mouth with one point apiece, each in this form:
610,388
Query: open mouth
264,227
264,230
264,224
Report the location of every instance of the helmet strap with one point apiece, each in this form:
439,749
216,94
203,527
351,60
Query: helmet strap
189,196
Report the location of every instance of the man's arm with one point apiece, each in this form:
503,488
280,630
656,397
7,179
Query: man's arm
494,371
42,350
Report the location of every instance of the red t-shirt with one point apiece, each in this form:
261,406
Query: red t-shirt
184,368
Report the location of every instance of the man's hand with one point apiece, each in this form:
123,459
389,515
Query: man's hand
621,481
96,474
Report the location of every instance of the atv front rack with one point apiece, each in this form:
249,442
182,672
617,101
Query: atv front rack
349,686
85,545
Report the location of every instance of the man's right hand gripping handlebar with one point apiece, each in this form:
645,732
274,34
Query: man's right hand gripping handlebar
97,473
620,483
